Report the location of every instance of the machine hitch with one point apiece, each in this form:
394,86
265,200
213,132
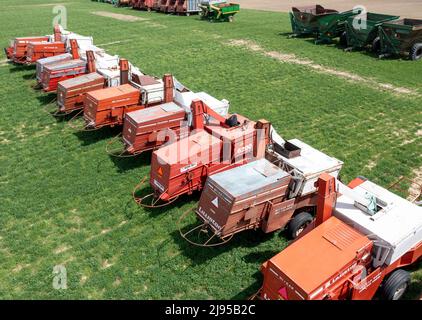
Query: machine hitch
201,235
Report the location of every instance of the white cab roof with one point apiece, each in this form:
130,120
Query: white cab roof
311,161
398,224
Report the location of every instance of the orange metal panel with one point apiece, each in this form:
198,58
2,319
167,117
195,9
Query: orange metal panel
182,167
140,128
39,50
115,96
71,93
316,260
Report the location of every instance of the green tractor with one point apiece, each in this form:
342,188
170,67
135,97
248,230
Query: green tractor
218,11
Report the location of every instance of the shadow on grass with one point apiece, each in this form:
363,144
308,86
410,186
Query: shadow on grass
387,58
21,67
290,35
286,34
315,42
248,292
90,137
30,76
200,255
47,99
130,163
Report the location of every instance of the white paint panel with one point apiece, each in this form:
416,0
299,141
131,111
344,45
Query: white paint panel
398,225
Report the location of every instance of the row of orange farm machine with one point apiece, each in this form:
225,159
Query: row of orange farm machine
185,7
348,242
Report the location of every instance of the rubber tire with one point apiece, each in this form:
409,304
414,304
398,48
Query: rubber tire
416,52
297,222
394,281
376,45
343,39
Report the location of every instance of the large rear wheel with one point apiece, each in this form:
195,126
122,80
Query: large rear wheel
298,223
416,52
396,285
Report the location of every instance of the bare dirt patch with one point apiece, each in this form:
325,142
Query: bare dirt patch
104,231
371,165
117,282
293,59
4,63
61,249
114,42
106,264
118,16
19,267
51,4
155,25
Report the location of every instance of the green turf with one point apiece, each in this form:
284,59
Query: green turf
65,201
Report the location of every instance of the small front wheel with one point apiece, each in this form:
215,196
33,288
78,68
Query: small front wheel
376,45
343,39
298,223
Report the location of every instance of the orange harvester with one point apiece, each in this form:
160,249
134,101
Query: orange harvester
44,49
71,93
182,167
19,47
108,107
53,73
273,193
352,254
149,128
29,49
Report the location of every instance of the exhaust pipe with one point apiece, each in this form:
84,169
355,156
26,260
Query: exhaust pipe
74,49
262,138
57,33
168,88
124,71
90,57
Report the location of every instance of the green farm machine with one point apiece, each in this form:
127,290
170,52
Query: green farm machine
218,10
324,24
401,37
386,35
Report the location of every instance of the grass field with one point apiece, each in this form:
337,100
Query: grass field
65,201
